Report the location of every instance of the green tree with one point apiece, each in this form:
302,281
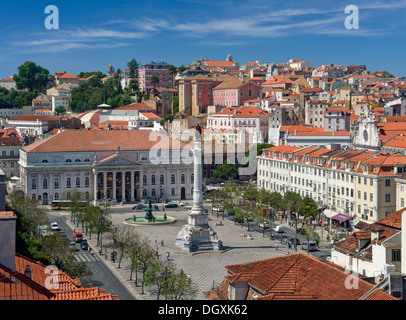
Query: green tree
171,70
133,66
181,69
226,171
31,76
154,80
309,208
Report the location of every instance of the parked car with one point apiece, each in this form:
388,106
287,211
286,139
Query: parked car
54,226
292,241
138,206
73,246
264,225
309,246
77,236
279,229
171,205
84,245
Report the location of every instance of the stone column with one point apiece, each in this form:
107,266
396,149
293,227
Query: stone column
132,186
123,186
105,184
114,185
141,180
95,186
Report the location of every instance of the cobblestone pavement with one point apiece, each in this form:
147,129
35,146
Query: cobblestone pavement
206,268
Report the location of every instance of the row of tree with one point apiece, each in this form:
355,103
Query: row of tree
127,244
247,202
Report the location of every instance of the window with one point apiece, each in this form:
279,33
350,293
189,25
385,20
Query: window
45,184
34,184
144,193
387,197
172,192
161,179
192,178
173,179
371,197
56,183
56,197
153,179
87,182
396,255
77,182
182,179
387,182
153,192
402,202
68,183
68,160
144,179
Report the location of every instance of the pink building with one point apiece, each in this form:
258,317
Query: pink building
247,119
234,92
159,69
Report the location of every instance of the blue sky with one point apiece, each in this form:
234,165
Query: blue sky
93,34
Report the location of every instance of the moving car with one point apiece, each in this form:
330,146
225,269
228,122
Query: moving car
279,229
84,245
309,246
77,236
171,205
138,206
73,246
264,225
54,226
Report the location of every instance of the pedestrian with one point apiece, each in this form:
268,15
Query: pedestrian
276,248
188,278
156,240
162,242
91,251
167,256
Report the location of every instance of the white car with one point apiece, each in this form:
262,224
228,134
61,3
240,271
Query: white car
278,229
54,226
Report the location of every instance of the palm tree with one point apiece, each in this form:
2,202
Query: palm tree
154,80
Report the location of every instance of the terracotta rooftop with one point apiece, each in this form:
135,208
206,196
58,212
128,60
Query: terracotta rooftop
294,276
103,140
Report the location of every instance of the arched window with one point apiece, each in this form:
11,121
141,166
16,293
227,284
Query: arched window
34,196
153,179
45,184
172,191
33,184
68,160
87,160
77,182
144,193
78,160
44,161
68,183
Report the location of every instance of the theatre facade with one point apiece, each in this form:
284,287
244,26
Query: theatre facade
117,165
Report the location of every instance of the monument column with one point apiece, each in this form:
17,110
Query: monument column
95,186
197,234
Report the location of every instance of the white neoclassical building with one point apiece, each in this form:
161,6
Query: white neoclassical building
121,165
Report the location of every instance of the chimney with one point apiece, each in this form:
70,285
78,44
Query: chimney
27,272
7,239
7,229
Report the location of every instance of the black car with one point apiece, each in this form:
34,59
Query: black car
84,245
171,205
292,241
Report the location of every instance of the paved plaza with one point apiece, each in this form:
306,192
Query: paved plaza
206,268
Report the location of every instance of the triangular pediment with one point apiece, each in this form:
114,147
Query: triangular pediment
116,160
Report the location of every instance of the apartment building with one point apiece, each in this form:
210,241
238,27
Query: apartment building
359,184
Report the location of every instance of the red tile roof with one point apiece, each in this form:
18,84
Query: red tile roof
295,276
104,140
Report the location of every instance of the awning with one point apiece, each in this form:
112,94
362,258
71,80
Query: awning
329,213
341,217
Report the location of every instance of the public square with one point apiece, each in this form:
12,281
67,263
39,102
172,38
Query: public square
206,268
